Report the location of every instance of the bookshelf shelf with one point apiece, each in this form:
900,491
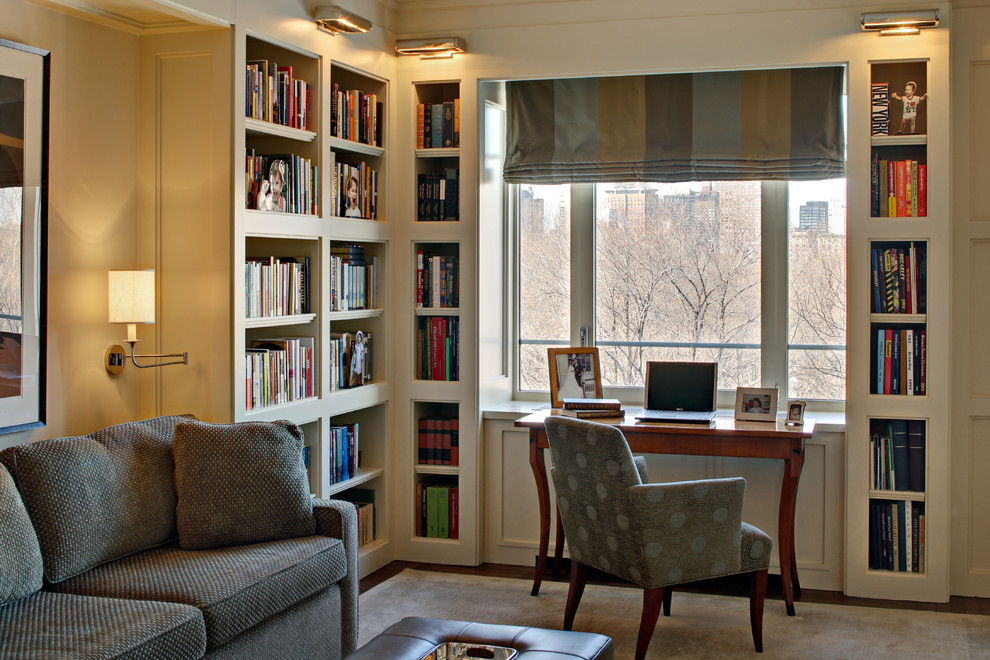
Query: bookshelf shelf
296,411
898,140
437,469
438,311
356,314
441,152
261,128
340,144
363,475
897,495
281,225
912,319
277,321
355,398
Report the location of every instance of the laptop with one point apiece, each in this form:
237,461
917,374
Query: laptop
680,392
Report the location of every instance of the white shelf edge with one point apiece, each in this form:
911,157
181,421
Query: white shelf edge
276,321
912,495
346,315
281,411
447,470
438,311
340,144
362,476
271,129
441,152
899,318
898,140
368,548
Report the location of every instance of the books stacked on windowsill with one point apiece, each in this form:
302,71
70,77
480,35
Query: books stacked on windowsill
592,408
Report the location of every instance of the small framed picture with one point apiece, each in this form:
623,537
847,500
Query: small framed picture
795,412
756,404
574,373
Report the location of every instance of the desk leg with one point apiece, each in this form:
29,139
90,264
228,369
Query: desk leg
537,462
785,529
558,552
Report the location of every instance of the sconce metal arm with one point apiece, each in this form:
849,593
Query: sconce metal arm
184,356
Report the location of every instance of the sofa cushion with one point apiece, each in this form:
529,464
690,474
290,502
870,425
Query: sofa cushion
236,587
240,483
20,557
98,497
49,625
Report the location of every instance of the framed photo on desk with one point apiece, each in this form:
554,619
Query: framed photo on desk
756,404
574,373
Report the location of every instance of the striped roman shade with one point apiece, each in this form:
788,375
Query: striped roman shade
775,124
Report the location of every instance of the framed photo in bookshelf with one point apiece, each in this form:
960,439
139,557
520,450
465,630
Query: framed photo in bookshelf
24,99
574,373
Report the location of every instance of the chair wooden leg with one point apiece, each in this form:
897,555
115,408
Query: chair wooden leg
667,595
579,577
652,602
757,594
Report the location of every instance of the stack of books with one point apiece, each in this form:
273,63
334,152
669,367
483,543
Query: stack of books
593,408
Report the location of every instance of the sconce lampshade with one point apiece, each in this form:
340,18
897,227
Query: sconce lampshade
132,296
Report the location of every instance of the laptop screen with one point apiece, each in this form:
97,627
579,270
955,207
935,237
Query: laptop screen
681,385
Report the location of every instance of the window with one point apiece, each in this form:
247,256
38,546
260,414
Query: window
748,274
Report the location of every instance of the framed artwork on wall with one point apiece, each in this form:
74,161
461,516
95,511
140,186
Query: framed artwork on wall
24,107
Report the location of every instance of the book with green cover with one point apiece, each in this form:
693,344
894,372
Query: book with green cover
432,511
443,512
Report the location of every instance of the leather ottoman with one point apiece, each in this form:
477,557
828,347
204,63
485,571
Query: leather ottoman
414,637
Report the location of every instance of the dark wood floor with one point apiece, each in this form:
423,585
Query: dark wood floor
728,586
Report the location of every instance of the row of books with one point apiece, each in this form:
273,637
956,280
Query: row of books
276,286
437,441
353,189
897,454
354,115
900,281
438,196
278,371
437,505
438,125
437,339
365,501
592,408
342,463
437,280
272,94
898,188
900,360
350,359
284,183
897,536
353,280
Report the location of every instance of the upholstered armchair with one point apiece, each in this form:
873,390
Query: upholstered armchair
654,535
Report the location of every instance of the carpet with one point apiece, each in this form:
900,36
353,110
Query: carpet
700,625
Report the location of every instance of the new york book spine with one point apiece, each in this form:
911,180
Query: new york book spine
879,109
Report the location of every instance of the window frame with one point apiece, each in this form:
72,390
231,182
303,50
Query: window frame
774,292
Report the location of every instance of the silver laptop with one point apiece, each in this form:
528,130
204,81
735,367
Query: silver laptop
680,392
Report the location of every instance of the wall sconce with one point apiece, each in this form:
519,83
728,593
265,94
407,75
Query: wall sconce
132,301
900,22
334,20
431,49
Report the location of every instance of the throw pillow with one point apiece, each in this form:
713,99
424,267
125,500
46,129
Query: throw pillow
240,483
20,556
98,497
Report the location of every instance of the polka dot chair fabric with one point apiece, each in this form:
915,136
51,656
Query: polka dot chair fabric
72,490
240,483
20,557
650,534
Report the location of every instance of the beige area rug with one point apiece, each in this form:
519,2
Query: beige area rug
701,626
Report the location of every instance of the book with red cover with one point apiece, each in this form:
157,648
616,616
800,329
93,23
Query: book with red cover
445,441
900,182
922,189
431,441
436,351
421,456
909,276
454,442
924,359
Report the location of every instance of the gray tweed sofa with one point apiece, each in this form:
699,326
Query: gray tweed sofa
92,563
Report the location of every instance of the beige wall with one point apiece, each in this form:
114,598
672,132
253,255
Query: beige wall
92,210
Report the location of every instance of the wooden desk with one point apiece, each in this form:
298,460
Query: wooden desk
726,437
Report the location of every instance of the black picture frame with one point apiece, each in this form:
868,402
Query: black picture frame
25,74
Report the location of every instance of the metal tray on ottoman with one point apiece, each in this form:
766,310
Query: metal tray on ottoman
414,638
